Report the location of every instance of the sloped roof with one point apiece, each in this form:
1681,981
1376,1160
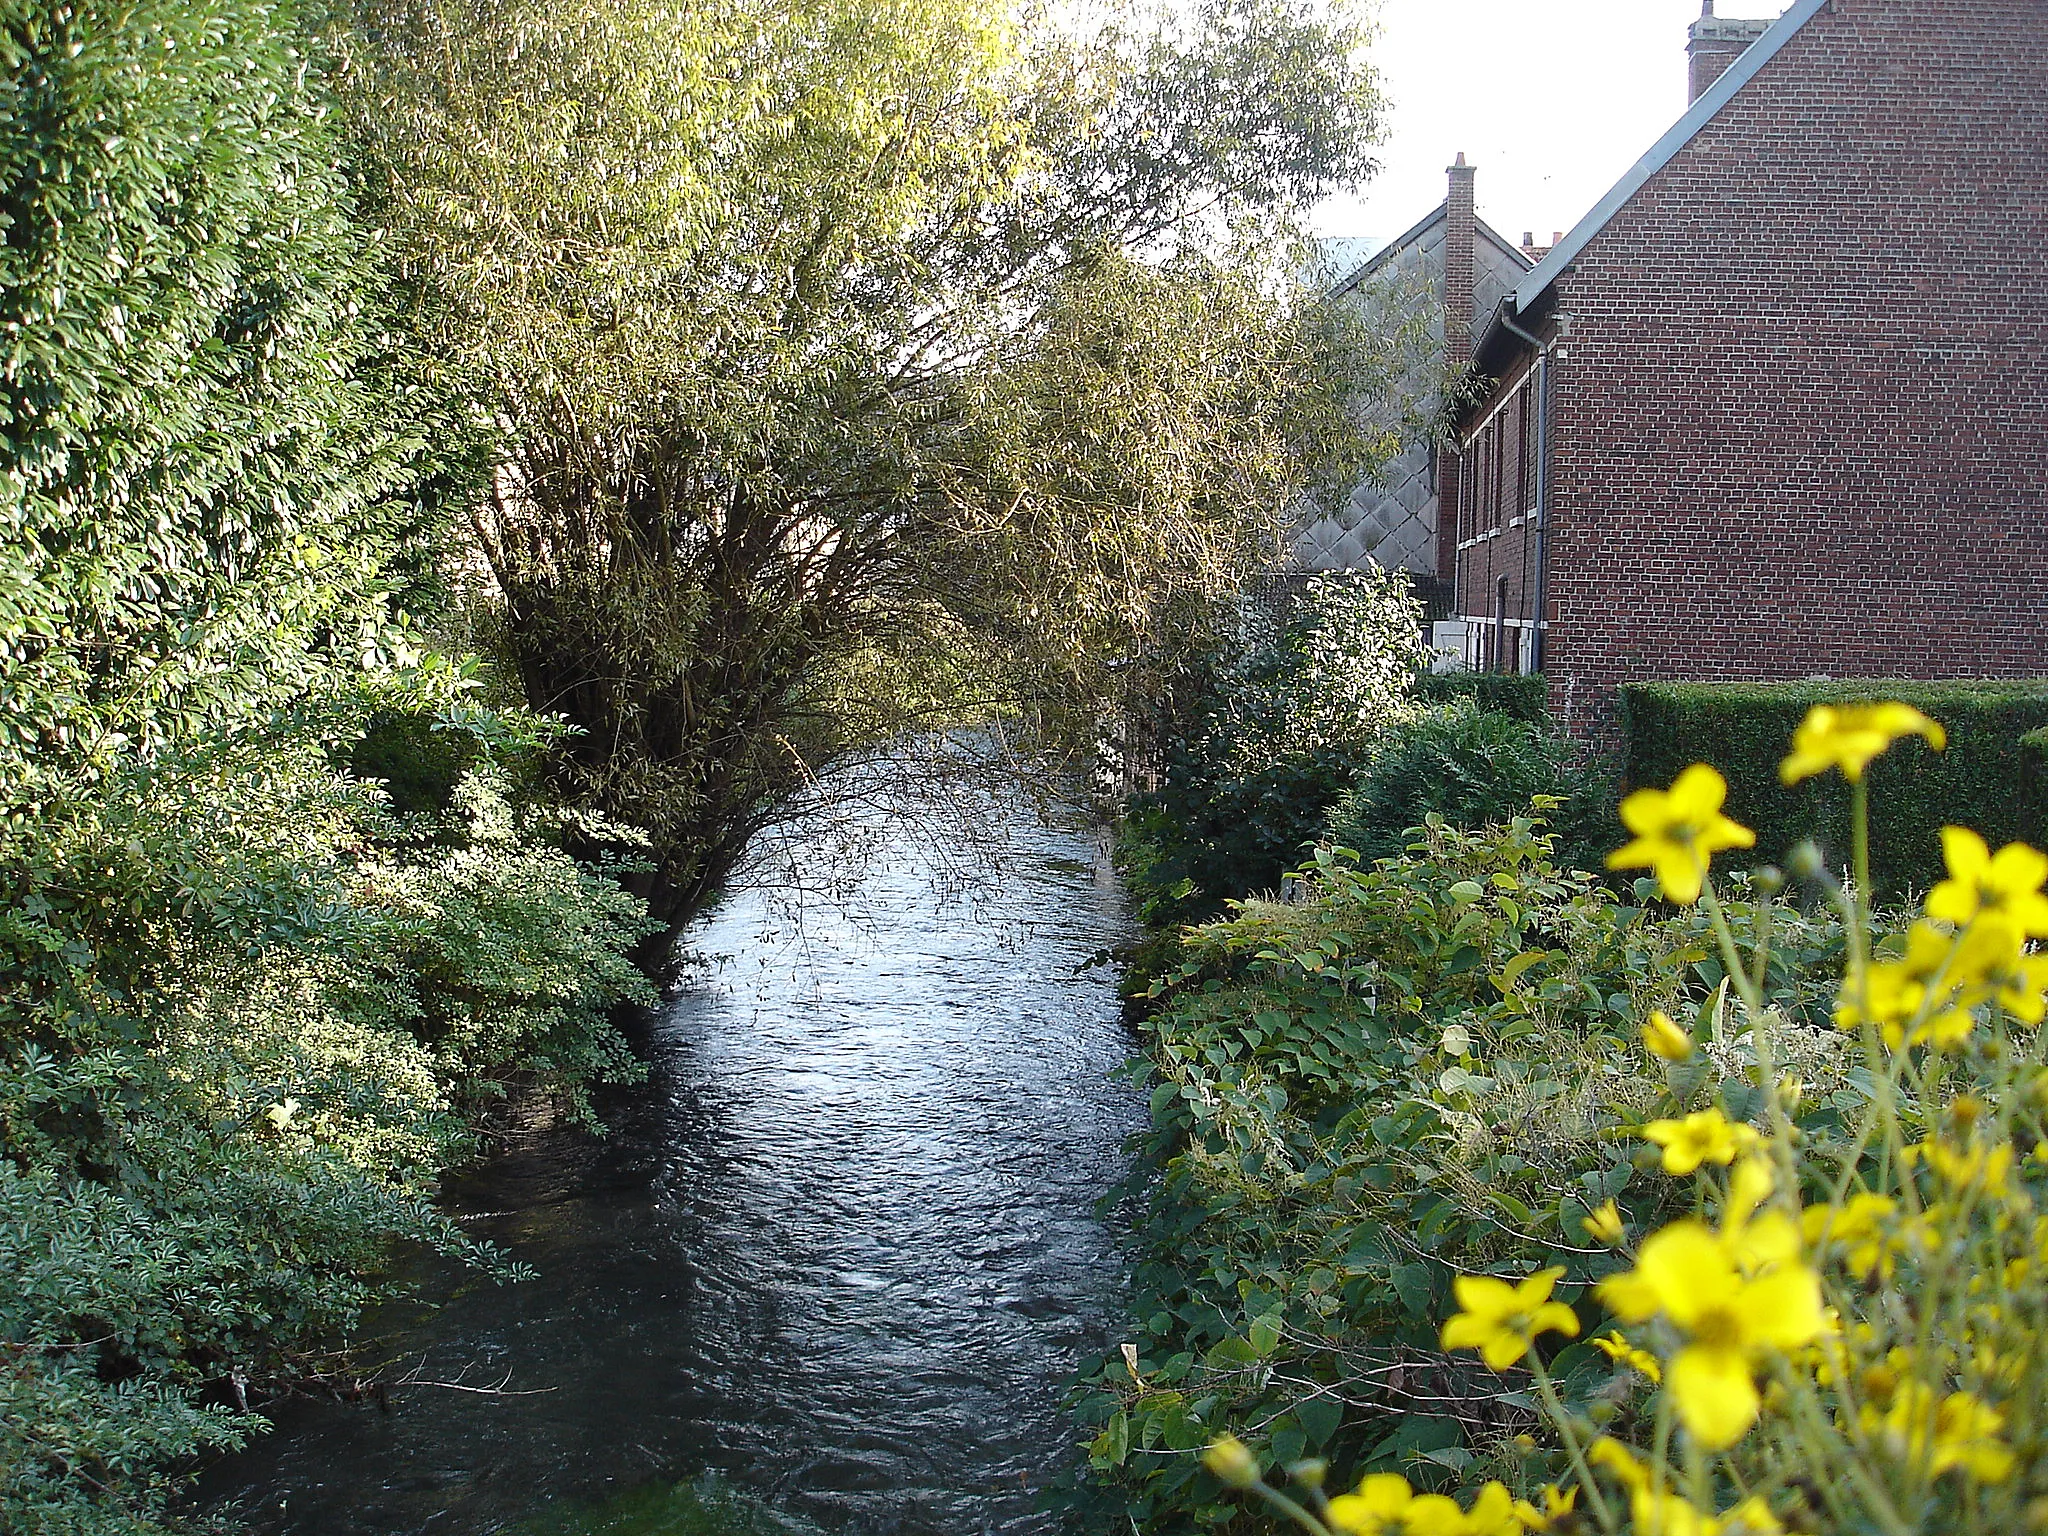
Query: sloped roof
1712,100
1412,234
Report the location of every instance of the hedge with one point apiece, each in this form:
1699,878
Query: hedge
1990,778
1525,695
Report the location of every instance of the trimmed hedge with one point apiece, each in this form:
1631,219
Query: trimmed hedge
1524,695
1990,778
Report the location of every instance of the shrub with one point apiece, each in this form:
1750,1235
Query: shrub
1986,778
244,1009
242,1002
1420,1067
1280,727
1524,695
418,764
1211,834
1471,767
1817,1309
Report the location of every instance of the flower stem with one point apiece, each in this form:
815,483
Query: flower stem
1288,1507
1554,1406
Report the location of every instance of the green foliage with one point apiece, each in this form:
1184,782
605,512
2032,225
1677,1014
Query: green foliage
1471,767
496,951
418,763
1524,695
243,1003
1284,724
192,456
853,368
243,1009
1987,779
1425,1067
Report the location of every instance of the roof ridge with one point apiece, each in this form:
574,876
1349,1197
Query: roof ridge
1440,211
1660,154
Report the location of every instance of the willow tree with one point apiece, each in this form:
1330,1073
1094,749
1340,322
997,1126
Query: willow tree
850,364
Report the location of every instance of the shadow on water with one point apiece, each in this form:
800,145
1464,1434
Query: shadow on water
840,1249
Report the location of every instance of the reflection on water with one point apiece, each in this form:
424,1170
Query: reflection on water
841,1248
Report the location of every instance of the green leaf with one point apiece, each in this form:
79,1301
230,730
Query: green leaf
1320,1417
1412,1284
1264,1334
1113,1446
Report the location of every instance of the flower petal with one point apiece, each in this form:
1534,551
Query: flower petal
1715,1395
1783,1308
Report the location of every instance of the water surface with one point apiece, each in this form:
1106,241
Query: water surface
841,1247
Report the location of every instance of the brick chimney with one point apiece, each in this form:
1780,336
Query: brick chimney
1461,240
1714,44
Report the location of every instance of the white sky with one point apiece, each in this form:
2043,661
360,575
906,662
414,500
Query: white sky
1552,100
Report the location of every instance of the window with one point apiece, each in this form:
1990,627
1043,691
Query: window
1500,472
1522,456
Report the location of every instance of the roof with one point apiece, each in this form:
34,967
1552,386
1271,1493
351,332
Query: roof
1414,233
1711,101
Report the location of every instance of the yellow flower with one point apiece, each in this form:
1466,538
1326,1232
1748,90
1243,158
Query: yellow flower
2006,884
1960,1433
1621,1352
1619,1461
1604,1224
1919,998
1687,1274
281,1116
1977,1167
1860,1227
1555,1513
1848,736
1660,1512
1656,1511
1662,1037
1752,1517
1385,1505
1993,960
1760,1245
1493,1513
1705,1136
1231,1462
1501,1321
1677,831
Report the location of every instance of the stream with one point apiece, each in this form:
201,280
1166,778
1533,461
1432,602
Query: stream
841,1248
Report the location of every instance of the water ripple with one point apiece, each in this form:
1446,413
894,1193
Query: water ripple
841,1248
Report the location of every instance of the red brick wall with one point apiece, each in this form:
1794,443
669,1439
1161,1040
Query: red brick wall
1802,426
1496,533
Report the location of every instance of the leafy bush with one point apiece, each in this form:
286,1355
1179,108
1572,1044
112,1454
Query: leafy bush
502,955
244,1009
1986,778
1282,727
1524,695
243,1002
1843,1332
418,763
1420,1068
1800,1178
1471,767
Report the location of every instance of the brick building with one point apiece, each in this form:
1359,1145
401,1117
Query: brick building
1459,268
1778,406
